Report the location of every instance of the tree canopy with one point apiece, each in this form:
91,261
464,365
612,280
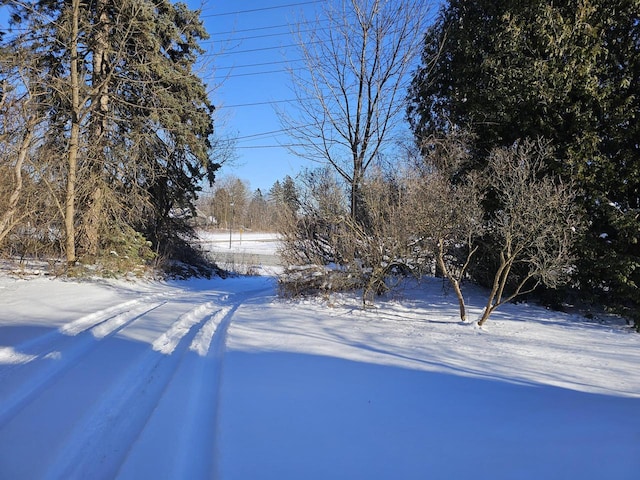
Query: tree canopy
126,123
568,72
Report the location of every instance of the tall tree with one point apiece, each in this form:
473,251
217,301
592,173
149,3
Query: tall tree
19,121
350,95
567,71
163,115
290,198
257,216
127,113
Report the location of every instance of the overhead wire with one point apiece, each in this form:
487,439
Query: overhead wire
253,50
270,33
262,64
265,72
261,9
253,104
268,27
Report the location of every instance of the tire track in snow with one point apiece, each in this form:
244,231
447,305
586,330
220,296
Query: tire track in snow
60,353
185,415
99,443
44,346
169,340
106,316
195,453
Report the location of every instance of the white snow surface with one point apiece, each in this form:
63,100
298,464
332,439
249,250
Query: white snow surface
222,379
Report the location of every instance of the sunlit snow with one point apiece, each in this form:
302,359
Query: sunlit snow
222,379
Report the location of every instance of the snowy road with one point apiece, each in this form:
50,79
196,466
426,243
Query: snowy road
220,379
129,390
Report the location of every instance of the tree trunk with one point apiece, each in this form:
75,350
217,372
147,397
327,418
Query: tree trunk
74,141
454,282
6,221
92,221
485,315
93,217
456,288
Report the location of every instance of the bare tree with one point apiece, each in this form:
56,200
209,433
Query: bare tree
387,243
350,95
534,226
20,87
229,201
325,248
447,205
308,238
16,135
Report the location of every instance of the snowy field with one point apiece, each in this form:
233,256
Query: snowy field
244,251
221,379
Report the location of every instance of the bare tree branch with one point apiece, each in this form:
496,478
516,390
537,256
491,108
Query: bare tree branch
351,94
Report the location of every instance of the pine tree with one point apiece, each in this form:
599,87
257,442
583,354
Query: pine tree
290,194
567,71
127,116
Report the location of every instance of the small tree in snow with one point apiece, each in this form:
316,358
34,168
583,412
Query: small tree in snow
448,209
534,226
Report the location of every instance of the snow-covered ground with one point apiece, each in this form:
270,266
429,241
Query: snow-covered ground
221,379
247,252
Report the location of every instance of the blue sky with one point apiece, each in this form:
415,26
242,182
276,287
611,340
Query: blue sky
243,34
250,42
245,64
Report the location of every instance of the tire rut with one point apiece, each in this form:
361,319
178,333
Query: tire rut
139,391
58,353
44,345
101,441
186,412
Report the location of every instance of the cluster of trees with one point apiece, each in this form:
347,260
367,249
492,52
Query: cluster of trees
232,205
524,167
106,132
428,218
525,120
569,72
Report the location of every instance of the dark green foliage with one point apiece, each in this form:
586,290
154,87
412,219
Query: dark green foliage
146,119
568,72
124,252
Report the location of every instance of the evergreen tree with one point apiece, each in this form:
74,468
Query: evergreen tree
290,194
275,192
127,116
257,217
567,71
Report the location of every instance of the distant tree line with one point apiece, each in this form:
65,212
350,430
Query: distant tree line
232,205
106,132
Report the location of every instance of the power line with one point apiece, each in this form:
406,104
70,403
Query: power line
234,52
268,27
272,146
254,29
261,134
263,103
253,74
275,62
253,10
282,130
268,35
